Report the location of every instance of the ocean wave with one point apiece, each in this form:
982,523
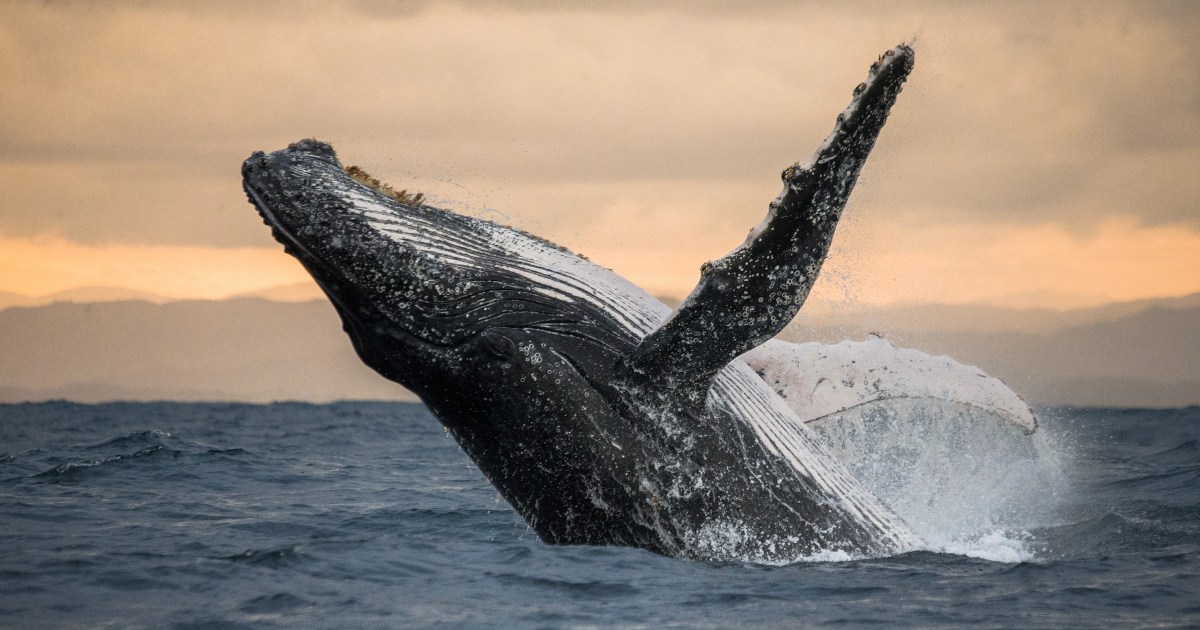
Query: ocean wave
272,558
152,436
72,470
231,539
274,605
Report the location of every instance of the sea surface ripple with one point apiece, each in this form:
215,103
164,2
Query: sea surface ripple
367,515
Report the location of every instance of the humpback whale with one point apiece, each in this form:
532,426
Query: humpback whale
602,416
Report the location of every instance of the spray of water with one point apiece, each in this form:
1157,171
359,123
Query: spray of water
966,480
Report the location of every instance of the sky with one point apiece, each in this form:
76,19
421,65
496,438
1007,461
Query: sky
1041,154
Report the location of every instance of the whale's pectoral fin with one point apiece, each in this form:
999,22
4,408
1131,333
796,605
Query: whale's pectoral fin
752,293
819,381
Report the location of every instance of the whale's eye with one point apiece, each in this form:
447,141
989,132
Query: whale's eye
499,345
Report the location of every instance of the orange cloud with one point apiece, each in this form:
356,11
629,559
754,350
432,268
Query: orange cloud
873,263
649,138
1047,265
41,266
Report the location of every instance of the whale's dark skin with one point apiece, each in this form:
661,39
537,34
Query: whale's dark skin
600,424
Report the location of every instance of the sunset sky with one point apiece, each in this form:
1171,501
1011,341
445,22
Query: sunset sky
1041,154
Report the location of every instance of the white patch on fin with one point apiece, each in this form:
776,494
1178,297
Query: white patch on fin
816,380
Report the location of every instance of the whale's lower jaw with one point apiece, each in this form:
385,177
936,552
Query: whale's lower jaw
599,414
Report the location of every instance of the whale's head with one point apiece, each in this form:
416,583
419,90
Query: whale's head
437,301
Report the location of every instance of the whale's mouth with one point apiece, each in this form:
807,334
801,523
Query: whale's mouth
291,244
322,273
333,281
258,172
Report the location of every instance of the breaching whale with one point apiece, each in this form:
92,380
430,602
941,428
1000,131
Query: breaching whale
599,414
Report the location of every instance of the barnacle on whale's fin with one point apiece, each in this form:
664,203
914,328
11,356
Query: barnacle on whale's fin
752,293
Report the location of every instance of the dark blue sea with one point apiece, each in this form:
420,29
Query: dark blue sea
367,515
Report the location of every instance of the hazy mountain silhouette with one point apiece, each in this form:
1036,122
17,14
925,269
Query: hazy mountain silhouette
242,349
299,292
976,318
80,296
1132,354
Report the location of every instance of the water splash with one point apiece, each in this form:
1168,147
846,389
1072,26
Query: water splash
998,546
966,480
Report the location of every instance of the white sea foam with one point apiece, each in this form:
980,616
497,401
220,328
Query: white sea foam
966,481
998,546
829,556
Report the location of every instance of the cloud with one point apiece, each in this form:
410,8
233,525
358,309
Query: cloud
876,263
133,202
637,232
130,119
39,267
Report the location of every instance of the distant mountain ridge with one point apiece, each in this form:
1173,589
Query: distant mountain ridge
80,296
299,292
978,318
258,350
246,349
849,318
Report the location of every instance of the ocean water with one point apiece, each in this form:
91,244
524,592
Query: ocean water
367,515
